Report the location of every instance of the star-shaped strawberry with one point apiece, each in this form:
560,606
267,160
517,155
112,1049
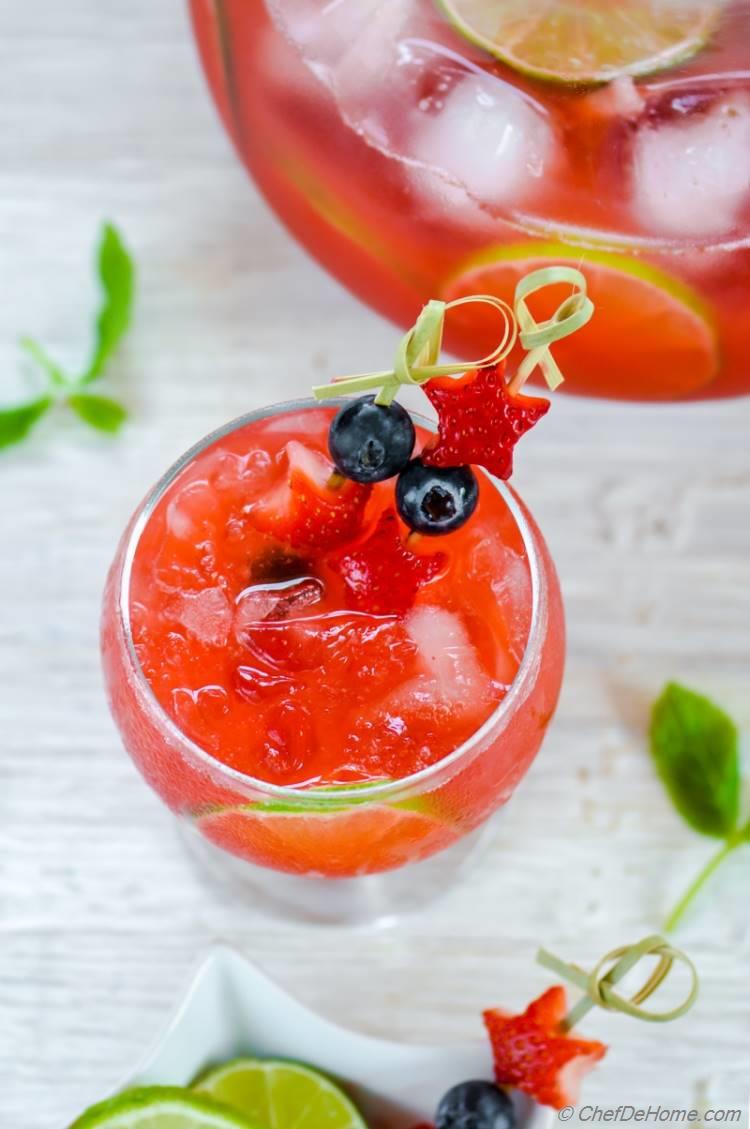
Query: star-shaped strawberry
532,1053
382,575
480,420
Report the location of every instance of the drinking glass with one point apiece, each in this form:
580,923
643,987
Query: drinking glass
342,854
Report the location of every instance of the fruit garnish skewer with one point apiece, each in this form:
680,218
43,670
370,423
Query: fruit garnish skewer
537,1051
481,414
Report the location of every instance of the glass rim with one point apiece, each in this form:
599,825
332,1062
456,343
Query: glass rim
317,796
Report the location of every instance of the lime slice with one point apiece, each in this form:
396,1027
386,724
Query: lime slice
586,41
281,1094
651,337
338,843
163,1107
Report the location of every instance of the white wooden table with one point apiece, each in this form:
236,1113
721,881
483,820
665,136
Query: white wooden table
103,112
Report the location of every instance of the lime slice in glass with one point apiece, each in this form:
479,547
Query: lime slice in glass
336,843
586,41
280,1093
651,337
163,1107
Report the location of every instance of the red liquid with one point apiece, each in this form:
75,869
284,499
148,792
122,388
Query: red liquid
258,660
375,148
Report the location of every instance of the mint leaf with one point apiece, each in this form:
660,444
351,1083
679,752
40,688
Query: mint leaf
55,374
16,423
98,411
117,275
695,748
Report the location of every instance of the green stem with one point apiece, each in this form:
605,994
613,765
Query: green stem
695,887
352,384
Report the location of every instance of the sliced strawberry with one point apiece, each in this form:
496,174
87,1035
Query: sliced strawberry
480,420
383,576
534,1055
304,509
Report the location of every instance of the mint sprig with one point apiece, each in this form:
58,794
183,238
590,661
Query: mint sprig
117,278
695,747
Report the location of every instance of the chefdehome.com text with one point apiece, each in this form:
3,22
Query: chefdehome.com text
651,1114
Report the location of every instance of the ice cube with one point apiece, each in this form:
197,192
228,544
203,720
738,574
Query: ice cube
488,137
429,713
190,512
449,660
206,615
322,31
276,601
343,38
373,55
692,172
251,469
508,576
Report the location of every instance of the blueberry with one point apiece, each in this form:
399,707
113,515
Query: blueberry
436,500
475,1105
369,442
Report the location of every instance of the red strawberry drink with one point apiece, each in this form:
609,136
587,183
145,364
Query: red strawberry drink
331,644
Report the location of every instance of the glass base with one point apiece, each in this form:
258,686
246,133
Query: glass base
374,899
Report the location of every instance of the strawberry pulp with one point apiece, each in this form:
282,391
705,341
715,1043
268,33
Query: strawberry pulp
287,629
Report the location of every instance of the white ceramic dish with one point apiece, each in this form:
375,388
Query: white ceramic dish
231,1008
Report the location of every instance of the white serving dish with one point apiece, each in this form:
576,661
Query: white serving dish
231,1008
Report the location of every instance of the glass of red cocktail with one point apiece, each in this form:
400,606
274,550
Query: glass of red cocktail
336,756
439,147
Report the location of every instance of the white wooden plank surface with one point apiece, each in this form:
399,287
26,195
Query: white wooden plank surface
103,112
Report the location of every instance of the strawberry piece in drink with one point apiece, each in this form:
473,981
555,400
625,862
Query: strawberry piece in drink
311,507
382,576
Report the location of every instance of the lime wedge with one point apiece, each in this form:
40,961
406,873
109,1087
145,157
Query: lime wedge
651,337
586,41
281,1094
162,1107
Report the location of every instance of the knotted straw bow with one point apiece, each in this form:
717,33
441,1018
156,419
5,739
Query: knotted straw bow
599,983
418,351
